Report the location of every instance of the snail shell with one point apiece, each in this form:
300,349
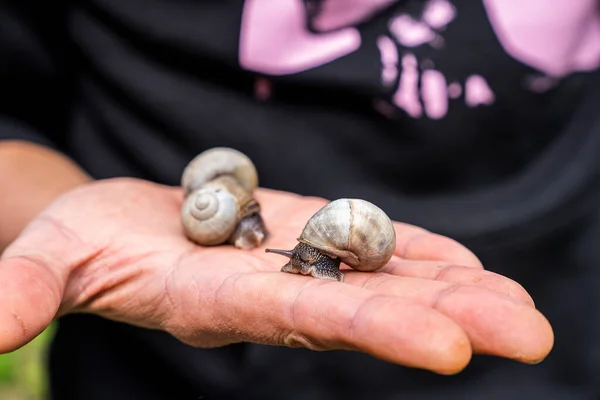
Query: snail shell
216,162
354,230
219,205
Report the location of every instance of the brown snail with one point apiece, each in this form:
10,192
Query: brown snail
219,206
353,231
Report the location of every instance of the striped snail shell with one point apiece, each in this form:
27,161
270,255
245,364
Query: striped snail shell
353,231
219,161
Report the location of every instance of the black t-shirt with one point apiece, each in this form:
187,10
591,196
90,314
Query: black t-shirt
473,119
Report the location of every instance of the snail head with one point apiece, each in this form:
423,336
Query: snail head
307,260
250,232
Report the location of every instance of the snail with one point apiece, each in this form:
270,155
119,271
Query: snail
353,231
219,206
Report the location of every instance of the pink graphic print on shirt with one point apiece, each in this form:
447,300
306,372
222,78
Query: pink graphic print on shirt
336,14
274,39
556,37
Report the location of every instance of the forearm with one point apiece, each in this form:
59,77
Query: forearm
31,177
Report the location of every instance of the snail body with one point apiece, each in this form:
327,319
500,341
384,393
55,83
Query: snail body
353,231
219,206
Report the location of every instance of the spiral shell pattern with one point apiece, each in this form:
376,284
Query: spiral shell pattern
209,215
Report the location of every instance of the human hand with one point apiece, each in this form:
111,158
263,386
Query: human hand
115,248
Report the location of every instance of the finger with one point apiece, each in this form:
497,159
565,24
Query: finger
281,309
414,243
495,323
33,273
458,274
29,300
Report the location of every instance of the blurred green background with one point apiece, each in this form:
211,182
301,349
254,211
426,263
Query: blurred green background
22,372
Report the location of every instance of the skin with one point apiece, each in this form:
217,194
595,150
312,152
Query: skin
115,248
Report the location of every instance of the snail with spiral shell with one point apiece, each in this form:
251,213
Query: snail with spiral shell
219,206
352,231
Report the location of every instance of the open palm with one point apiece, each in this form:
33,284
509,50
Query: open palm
116,248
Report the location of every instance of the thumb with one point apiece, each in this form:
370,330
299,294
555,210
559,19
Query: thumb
30,296
34,271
